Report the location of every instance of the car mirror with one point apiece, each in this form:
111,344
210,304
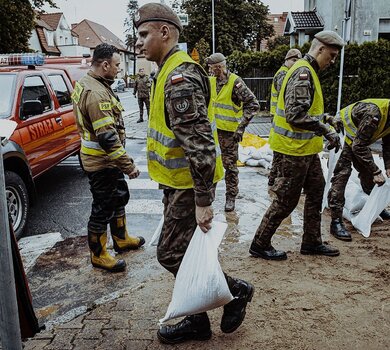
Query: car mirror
31,108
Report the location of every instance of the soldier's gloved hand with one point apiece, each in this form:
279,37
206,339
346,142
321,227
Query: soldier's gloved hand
237,136
134,174
336,122
204,217
379,179
334,141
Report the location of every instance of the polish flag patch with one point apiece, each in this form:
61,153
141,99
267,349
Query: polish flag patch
177,78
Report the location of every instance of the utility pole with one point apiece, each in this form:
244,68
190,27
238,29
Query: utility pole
9,317
212,24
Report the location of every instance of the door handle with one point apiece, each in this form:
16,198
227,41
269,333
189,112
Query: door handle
58,120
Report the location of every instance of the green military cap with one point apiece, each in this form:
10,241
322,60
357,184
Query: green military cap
155,12
215,58
330,38
293,53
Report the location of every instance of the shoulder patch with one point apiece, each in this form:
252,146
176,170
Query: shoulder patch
303,76
105,106
177,78
238,85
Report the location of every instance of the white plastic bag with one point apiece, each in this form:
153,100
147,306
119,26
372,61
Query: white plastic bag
200,283
378,200
157,233
355,198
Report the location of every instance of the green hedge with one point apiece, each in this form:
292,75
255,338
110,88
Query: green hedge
366,71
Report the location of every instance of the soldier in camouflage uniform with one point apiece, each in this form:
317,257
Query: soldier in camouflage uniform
104,158
291,57
142,87
364,122
296,136
184,158
234,107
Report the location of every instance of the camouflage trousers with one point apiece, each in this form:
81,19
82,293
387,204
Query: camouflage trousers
275,164
229,150
141,102
341,174
292,175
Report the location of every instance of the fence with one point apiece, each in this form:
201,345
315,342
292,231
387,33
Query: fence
261,87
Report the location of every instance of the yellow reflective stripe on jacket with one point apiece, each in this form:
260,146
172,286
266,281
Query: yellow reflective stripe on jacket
350,127
286,139
92,148
227,114
97,124
78,89
117,153
116,103
274,92
167,163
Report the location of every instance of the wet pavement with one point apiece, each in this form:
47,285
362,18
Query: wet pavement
86,308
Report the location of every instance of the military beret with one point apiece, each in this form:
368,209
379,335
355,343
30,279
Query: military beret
330,38
293,53
215,58
155,12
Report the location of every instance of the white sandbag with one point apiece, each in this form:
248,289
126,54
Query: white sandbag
263,163
243,154
355,198
378,200
157,233
200,283
252,162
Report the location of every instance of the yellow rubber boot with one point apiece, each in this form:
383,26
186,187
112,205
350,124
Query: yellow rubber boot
122,240
100,257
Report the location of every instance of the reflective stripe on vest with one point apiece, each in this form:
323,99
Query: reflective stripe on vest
93,148
167,163
350,127
286,139
227,114
274,92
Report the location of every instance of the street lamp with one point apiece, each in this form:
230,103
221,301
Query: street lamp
9,317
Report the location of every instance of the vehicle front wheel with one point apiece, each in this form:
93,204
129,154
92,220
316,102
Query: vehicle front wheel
17,201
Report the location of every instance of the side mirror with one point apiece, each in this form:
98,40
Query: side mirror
31,108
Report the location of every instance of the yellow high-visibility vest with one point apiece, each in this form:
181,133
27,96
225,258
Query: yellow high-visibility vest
274,92
167,163
227,114
286,139
351,129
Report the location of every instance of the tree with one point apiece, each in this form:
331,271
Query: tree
278,41
17,23
239,24
132,8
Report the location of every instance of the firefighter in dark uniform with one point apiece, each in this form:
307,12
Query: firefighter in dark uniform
104,158
297,137
291,57
142,88
184,158
234,107
364,123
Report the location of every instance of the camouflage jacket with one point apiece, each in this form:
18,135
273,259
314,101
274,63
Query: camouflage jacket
241,93
142,86
366,117
278,80
192,127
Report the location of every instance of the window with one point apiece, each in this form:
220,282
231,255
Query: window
35,89
384,28
61,90
7,85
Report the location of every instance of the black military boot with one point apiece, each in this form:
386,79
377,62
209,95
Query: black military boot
230,204
269,253
385,215
338,230
140,120
234,312
194,327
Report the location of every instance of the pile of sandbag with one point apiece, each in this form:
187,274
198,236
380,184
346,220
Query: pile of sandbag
254,151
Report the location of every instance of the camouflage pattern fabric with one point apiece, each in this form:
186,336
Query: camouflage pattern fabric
366,116
275,164
142,86
293,175
229,150
278,80
141,102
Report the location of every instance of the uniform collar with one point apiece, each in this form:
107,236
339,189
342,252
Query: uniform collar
104,81
312,62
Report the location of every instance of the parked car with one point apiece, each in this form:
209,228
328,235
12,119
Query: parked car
37,96
118,85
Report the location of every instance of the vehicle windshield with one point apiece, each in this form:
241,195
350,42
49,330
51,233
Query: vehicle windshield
7,82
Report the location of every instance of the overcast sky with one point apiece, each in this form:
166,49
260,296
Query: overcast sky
112,13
